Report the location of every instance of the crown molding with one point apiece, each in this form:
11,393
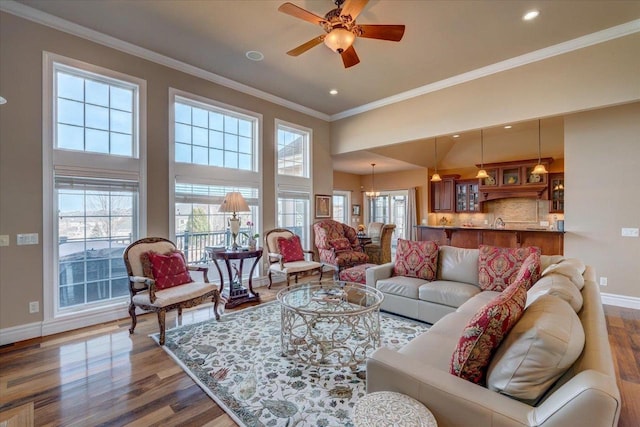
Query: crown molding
26,12
43,18
518,61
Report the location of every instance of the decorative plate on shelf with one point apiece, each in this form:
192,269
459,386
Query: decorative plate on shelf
534,178
489,180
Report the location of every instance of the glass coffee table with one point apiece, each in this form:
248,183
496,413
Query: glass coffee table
330,323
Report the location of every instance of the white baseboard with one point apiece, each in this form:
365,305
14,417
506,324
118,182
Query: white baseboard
620,300
20,333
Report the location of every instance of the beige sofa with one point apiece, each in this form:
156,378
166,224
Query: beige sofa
580,391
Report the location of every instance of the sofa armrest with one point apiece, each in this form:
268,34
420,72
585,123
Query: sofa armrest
589,398
379,272
452,400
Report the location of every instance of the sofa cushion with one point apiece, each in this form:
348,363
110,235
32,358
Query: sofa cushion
452,294
290,249
401,285
169,270
571,267
477,302
416,259
556,285
544,343
498,267
484,333
458,264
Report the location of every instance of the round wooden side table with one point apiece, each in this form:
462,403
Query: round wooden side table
391,409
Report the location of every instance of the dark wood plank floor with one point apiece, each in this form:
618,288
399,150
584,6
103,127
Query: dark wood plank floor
103,376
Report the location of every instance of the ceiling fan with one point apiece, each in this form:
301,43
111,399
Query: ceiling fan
341,28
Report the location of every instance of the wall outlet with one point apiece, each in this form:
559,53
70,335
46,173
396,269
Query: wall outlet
34,307
27,239
630,232
603,281
4,240
544,223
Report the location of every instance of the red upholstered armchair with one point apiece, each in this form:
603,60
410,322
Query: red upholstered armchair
338,244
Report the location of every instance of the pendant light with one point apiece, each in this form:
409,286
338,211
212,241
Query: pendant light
436,176
482,174
372,194
539,169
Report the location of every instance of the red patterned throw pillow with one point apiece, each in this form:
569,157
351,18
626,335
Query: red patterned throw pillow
169,270
485,331
290,249
529,272
341,244
416,259
498,267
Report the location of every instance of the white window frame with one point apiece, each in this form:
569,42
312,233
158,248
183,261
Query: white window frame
206,174
83,164
290,184
348,218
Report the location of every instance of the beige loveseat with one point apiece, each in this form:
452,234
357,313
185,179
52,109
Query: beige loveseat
545,341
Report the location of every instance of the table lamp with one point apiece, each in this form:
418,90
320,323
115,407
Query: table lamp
234,202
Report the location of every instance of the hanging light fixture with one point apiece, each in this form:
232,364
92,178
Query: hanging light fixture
436,176
482,174
539,169
372,193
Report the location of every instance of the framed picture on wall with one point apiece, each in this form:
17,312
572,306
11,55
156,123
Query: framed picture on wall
323,206
355,210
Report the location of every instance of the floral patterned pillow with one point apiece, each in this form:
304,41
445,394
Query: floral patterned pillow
169,270
341,244
290,249
498,267
485,331
529,272
416,259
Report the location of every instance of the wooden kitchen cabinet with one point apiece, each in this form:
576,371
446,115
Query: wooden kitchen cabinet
442,194
467,196
556,193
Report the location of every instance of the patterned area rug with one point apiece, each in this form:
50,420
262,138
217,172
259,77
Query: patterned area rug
238,363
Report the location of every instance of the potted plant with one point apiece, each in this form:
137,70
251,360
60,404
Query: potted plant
251,236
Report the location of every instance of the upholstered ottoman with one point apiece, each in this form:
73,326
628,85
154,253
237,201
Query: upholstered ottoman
355,274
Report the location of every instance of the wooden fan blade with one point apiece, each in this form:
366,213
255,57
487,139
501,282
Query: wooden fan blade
306,46
353,8
350,57
298,12
392,33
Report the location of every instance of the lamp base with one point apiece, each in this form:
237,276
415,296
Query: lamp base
234,225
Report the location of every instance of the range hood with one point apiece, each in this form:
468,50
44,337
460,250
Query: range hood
538,192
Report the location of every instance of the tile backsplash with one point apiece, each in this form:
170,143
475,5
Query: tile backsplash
517,213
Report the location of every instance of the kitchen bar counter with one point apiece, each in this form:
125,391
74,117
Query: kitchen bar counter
549,242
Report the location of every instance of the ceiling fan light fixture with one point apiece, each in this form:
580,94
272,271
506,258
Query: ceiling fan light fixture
339,39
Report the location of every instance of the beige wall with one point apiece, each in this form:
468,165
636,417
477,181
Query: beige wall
401,180
600,75
21,198
602,162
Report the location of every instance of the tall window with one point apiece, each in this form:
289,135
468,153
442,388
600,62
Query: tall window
215,151
341,203
293,179
391,208
95,120
207,135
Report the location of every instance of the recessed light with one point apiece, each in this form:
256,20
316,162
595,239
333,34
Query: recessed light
456,136
2,100
532,14
333,91
254,55
508,127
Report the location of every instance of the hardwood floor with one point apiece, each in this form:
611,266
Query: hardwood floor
102,376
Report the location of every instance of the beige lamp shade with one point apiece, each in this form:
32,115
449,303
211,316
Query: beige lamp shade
234,202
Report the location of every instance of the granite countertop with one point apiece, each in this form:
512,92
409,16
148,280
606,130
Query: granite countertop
456,227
